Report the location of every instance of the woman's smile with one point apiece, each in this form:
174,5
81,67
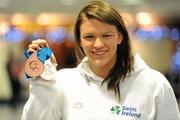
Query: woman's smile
99,52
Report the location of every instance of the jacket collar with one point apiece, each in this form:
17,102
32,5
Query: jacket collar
86,71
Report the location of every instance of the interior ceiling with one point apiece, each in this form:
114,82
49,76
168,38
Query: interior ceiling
161,8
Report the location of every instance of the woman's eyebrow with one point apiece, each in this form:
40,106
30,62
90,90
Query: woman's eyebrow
91,33
108,32
85,34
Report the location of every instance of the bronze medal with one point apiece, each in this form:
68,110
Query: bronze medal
33,66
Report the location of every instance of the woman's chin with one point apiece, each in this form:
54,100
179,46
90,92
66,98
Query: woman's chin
99,63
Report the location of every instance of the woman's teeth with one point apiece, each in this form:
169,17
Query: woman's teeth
100,52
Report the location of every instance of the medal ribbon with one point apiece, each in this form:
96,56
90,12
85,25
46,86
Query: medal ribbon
43,54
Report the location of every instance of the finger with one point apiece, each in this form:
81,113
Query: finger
31,50
44,43
41,42
34,46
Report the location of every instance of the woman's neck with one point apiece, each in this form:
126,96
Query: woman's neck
101,71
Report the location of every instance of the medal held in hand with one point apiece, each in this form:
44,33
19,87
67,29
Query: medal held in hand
49,70
33,66
39,64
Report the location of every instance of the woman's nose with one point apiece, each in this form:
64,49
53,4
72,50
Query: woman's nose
98,43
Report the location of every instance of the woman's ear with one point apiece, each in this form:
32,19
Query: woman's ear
120,37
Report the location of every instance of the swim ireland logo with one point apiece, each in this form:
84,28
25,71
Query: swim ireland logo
125,111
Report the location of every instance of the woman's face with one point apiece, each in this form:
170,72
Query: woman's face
99,42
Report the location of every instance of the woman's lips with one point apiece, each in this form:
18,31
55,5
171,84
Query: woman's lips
102,52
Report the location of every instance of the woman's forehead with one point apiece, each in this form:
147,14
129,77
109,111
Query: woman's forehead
94,25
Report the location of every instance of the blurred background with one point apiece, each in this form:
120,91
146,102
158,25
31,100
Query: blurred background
154,27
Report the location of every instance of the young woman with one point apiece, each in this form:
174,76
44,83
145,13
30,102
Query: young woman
110,83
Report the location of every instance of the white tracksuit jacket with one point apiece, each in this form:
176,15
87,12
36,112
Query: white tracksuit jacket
77,94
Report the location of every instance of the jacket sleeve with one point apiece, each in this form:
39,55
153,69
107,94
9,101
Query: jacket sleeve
167,108
45,101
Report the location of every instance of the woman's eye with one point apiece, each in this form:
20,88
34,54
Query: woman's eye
89,37
106,36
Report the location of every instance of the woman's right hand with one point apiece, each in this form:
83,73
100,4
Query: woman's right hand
37,45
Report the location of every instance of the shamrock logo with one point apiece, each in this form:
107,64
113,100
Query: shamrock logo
116,110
